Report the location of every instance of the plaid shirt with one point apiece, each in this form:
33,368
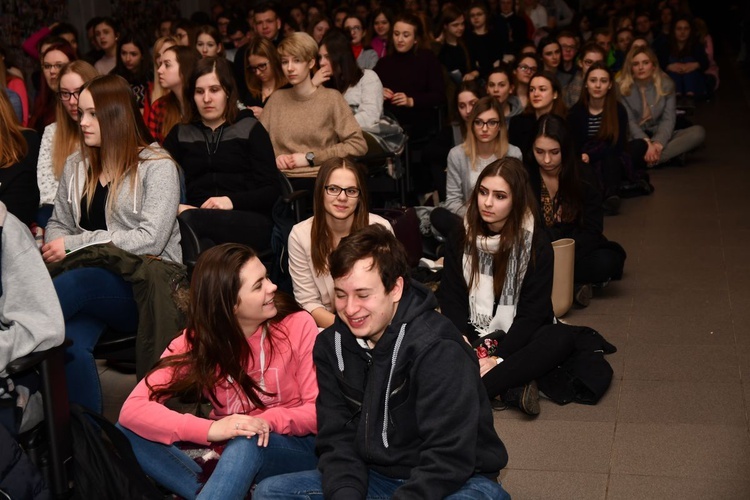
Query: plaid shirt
154,117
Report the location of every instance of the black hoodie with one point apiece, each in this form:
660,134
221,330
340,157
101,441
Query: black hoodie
439,429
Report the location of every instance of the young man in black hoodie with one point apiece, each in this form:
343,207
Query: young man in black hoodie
402,412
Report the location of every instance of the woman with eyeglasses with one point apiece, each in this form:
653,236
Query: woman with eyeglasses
340,208
526,67
263,74
366,57
486,141
61,138
54,57
230,176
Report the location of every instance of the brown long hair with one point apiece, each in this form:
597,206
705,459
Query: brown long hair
67,135
322,238
186,58
511,235
13,147
44,104
609,130
558,104
263,47
123,135
217,349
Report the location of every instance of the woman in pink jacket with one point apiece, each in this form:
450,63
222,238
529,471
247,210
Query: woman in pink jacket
245,359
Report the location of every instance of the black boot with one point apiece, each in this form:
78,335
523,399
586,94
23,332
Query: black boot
525,398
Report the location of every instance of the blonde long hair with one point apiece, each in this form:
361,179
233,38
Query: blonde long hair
487,103
626,80
67,138
123,136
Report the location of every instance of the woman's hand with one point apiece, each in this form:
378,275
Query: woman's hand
401,99
239,425
485,365
54,251
219,202
182,207
471,76
257,111
285,162
387,94
585,158
321,76
653,153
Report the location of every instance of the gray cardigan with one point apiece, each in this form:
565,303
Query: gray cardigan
460,177
142,221
663,115
30,315
367,59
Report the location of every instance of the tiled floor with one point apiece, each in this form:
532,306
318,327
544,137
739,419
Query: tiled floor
674,423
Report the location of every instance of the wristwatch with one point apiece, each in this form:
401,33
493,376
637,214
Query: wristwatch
310,157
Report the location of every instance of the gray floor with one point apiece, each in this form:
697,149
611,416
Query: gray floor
674,423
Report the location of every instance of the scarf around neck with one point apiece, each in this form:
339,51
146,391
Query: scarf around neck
488,313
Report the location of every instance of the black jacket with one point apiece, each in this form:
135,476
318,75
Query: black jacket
18,184
534,307
235,160
434,427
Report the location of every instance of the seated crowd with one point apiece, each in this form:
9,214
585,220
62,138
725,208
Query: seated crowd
526,124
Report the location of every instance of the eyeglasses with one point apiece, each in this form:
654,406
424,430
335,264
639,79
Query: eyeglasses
259,68
354,28
48,66
489,123
334,190
527,69
64,95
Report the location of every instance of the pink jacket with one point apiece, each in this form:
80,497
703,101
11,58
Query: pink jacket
289,374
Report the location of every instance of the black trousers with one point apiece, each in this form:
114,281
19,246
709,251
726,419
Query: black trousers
549,346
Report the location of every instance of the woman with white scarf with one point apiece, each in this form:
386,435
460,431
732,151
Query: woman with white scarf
497,287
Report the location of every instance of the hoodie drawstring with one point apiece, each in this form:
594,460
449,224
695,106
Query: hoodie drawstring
396,348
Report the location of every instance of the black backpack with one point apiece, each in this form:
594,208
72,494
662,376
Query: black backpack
104,465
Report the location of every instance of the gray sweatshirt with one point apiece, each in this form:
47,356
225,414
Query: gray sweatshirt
30,315
142,221
460,177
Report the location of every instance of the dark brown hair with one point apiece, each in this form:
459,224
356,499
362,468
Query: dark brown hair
609,130
511,235
217,349
376,242
220,66
186,58
321,234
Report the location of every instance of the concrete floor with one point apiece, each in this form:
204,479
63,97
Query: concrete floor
674,423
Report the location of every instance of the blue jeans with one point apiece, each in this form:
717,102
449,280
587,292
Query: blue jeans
242,463
308,486
92,299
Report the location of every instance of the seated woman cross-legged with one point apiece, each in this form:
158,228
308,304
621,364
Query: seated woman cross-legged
247,354
308,124
340,208
120,189
230,177
648,95
497,286
571,206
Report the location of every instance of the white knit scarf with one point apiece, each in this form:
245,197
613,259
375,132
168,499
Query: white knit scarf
488,313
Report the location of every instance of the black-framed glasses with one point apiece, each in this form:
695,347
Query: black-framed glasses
354,28
334,190
48,66
489,123
524,67
64,95
259,68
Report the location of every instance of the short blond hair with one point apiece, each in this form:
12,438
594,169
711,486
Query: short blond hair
299,45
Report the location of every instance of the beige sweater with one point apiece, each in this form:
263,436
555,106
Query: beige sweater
311,290
321,123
